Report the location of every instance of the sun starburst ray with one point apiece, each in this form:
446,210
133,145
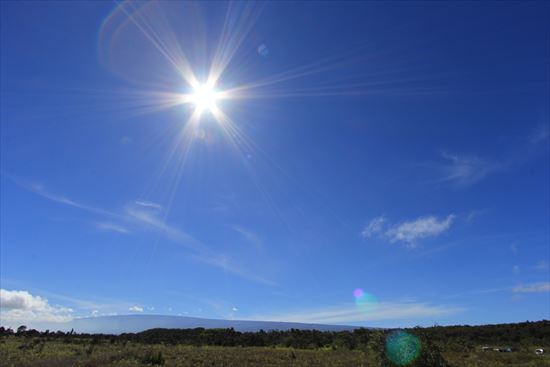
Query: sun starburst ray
204,88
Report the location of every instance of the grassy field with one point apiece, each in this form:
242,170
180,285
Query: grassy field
521,358
21,351
15,352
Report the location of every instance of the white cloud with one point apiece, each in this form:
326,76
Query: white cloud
21,306
375,226
112,227
136,309
533,288
39,189
234,309
419,228
350,313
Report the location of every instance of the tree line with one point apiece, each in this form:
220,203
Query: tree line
375,342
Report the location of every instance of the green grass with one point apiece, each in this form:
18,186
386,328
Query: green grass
42,351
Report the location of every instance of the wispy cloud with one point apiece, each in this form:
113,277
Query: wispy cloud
540,287
17,306
532,288
467,170
542,265
153,221
112,227
148,204
409,232
136,309
250,236
350,313
223,262
420,228
199,251
541,133
39,189
375,226
144,214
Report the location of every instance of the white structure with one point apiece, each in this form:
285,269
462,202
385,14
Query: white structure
539,351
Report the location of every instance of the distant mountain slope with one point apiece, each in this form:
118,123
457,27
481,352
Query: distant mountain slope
137,323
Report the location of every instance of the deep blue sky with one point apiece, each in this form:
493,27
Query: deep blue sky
403,149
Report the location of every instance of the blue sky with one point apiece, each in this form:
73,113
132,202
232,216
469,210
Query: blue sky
397,148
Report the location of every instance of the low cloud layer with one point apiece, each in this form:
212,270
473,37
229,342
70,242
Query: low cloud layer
136,309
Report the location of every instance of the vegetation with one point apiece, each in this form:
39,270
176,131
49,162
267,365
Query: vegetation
426,347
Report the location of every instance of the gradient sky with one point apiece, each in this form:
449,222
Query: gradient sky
389,167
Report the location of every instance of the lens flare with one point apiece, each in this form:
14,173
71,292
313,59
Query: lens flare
358,293
402,348
364,301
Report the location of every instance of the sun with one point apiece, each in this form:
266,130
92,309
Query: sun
204,97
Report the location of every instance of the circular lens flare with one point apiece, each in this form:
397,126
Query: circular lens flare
402,348
365,302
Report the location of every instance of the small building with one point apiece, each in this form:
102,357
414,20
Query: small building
539,351
486,349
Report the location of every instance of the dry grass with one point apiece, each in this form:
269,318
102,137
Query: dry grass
21,351
56,353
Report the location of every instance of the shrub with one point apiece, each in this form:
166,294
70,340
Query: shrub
155,359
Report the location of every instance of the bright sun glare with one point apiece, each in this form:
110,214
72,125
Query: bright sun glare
204,97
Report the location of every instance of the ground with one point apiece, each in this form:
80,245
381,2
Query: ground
24,351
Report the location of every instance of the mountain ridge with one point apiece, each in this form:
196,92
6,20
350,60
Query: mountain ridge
118,324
